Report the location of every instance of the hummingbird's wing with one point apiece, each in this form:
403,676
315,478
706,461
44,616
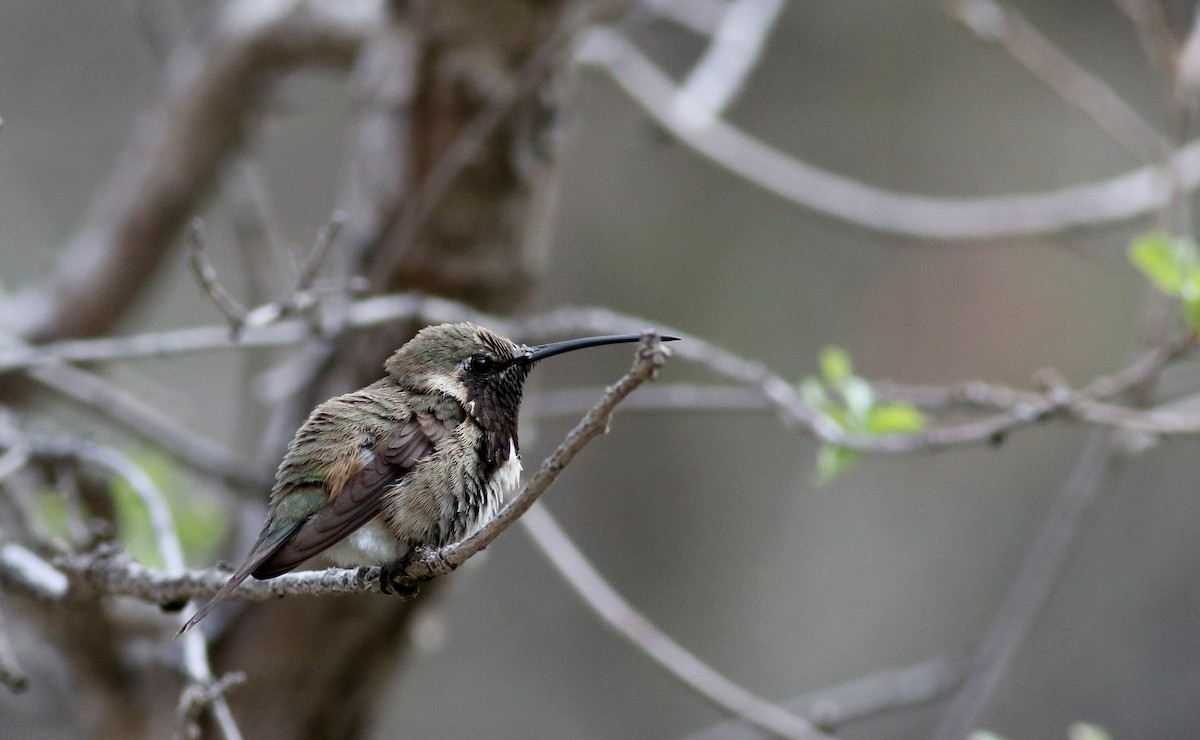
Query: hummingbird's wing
282,546
360,498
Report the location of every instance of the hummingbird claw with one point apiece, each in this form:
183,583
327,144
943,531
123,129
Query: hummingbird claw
392,580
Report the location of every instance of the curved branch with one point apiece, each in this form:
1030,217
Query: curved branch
652,641
1121,198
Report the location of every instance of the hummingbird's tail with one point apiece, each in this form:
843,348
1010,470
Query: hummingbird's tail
217,598
266,546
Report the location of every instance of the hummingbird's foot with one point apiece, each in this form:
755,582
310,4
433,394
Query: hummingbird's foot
393,580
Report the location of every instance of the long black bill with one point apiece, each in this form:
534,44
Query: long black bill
542,351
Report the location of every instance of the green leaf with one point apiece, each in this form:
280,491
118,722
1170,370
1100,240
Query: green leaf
832,460
859,398
894,418
1161,259
835,366
1191,313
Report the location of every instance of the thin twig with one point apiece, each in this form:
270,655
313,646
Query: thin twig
995,22
147,422
114,574
206,275
651,355
1020,408
652,641
321,247
26,572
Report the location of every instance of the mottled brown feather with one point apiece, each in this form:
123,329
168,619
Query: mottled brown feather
360,496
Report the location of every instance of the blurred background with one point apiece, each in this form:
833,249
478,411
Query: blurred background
710,522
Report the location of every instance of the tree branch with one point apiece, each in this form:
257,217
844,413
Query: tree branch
992,21
1122,198
1032,589
864,697
651,355
652,641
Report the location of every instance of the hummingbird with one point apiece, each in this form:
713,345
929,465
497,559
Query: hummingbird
421,458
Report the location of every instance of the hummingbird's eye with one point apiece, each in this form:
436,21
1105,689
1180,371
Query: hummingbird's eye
480,364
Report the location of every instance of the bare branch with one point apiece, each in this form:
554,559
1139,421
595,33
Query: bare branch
1020,408
721,72
206,275
992,21
324,242
865,697
651,355
652,641
1121,198
1031,591
148,423
23,571
166,537
115,574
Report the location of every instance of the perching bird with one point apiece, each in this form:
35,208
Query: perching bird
423,457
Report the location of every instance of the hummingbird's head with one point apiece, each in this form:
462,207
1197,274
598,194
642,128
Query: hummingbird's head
482,370
463,361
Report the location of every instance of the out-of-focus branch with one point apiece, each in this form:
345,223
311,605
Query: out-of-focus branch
652,641
1018,408
175,155
469,142
162,527
148,423
864,697
206,275
721,72
1032,589
992,21
1154,32
1121,198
